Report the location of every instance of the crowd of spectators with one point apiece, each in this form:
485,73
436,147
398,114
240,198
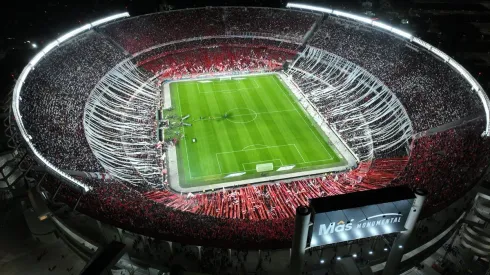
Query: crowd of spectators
169,49
272,22
124,207
279,200
364,112
54,96
447,163
121,126
140,33
430,90
187,62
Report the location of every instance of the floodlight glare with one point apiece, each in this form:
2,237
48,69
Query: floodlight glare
34,45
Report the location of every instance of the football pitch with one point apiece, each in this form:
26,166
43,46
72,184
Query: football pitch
237,123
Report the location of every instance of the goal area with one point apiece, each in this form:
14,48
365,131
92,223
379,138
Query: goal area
264,167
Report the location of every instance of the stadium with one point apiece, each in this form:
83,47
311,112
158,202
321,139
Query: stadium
211,134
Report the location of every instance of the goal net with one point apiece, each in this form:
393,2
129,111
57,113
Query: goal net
264,167
225,78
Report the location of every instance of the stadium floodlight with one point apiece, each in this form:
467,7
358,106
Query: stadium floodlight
109,18
382,25
422,43
353,16
16,99
23,76
308,7
36,58
50,46
34,45
392,29
72,33
439,53
402,33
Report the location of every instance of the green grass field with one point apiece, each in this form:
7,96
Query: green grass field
241,122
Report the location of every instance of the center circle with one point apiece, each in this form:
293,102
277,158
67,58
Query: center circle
241,115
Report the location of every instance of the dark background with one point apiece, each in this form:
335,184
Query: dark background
461,28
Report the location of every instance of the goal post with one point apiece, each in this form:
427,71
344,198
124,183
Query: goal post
264,167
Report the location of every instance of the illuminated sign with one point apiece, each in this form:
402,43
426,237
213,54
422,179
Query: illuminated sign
359,215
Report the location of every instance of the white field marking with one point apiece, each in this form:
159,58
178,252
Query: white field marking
214,175
322,143
224,82
261,113
183,130
219,165
275,146
198,88
299,153
265,113
268,147
258,162
218,83
198,83
193,83
316,161
254,145
217,158
244,149
252,113
262,161
256,115
227,91
242,122
255,82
